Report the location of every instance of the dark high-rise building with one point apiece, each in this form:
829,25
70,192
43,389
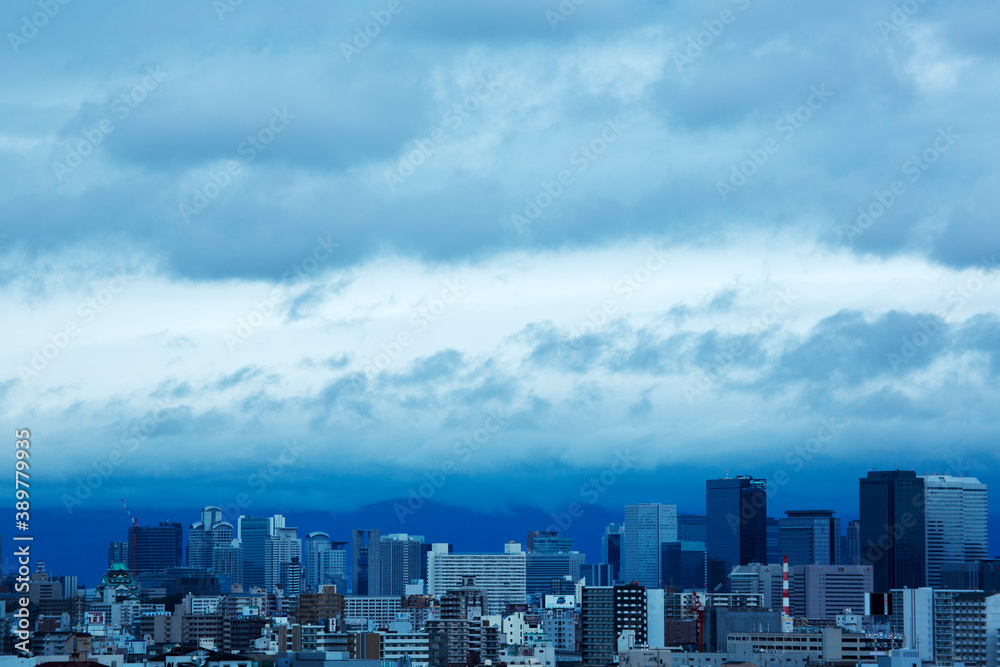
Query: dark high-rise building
154,548
736,526
892,528
604,613
254,533
611,548
399,556
691,528
684,565
366,570
983,575
852,552
810,537
773,540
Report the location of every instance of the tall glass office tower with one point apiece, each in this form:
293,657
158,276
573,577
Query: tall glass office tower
736,526
647,527
892,528
253,534
955,528
810,537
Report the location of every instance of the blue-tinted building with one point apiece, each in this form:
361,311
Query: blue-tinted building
892,528
810,537
684,565
253,534
736,526
155,548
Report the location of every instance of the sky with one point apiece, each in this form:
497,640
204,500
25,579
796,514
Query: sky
494,257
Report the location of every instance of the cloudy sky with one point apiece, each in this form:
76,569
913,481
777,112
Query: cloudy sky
329,252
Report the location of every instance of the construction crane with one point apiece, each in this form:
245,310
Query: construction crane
698,609
131,547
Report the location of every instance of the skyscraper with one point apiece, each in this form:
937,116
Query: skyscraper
853,552
155,548
683,565
366,575
647,527
324,562
205,535
611,549
227,563
283,558
736,526
773,540
691,527
399,564
892,528
253,534
810,537
955,526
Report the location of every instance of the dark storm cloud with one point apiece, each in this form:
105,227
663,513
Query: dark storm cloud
890,92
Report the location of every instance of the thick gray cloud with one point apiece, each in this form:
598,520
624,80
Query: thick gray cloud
271,162
696,111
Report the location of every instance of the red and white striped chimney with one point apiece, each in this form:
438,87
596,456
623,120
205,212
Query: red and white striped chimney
786,615
785,608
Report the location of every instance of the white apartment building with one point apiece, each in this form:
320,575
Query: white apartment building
500,575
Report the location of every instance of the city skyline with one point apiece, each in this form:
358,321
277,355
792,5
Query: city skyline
531,333
585,530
